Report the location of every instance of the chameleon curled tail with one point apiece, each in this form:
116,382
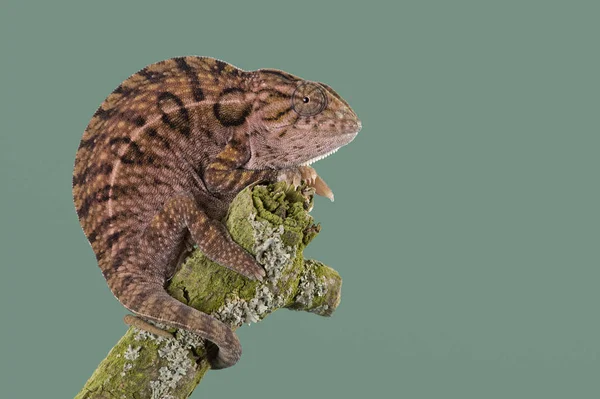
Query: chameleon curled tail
152,302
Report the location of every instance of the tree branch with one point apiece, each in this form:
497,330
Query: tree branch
272,222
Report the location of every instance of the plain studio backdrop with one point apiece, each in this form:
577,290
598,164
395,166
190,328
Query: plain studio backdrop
466,220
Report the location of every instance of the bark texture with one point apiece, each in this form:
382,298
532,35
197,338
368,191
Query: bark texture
273,223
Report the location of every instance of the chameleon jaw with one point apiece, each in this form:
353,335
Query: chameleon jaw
315,159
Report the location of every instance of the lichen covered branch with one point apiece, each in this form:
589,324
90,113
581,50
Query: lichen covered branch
273,223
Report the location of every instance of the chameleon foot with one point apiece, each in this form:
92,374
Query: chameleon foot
137,322
307,174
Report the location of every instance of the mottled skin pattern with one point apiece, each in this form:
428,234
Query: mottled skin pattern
163,157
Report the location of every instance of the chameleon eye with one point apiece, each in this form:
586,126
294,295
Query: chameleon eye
309,99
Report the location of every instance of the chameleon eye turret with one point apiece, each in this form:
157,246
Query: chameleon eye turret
309,99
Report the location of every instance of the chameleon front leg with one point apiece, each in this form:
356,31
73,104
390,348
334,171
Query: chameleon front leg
210,235
139,282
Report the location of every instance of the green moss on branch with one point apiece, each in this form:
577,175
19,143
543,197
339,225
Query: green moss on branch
272,222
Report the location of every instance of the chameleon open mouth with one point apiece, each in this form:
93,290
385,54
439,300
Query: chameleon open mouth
321,188
318,183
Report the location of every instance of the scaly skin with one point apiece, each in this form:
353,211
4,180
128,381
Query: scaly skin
165,154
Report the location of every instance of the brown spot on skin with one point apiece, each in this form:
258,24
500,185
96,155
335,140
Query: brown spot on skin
280,74
277,116
155,137
150,76
113,238
232,108
103,114
174,113
139,121
219,67
193,78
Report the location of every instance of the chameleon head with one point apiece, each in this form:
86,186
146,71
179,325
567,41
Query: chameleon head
298,122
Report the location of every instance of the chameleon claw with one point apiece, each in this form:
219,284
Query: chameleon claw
260,274
252,269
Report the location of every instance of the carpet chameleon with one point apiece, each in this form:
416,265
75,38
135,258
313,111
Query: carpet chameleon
165,154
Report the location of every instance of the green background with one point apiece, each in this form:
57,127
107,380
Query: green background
466,220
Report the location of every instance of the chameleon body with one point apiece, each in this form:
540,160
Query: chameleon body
165,154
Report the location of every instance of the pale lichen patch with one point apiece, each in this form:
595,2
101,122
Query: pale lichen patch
310,287
175,359
275,256
237,311
141,335
271,252
126,368
322,310
177,366
132,353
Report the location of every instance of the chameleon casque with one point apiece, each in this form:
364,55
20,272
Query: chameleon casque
166,153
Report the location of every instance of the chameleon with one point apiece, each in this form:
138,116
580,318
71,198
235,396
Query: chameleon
165,154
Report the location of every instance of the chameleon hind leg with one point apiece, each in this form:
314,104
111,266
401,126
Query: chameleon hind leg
138,282
140,323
